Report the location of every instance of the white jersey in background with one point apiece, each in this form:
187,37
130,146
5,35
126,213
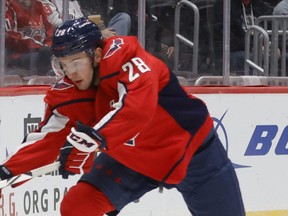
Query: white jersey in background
53,9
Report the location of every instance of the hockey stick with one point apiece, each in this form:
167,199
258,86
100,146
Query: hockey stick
31,174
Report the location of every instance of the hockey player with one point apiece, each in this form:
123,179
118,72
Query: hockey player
150,131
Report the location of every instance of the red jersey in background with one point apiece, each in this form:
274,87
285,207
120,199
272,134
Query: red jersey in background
26,27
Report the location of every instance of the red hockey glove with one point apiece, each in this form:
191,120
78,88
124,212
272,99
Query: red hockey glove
77,155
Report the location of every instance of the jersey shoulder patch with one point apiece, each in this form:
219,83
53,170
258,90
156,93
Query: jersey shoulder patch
62,85
114,47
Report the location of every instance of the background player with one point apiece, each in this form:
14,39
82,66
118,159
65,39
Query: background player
28,36
150,131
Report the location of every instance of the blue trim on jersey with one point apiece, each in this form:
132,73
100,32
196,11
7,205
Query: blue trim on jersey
110,75
81,100
189,113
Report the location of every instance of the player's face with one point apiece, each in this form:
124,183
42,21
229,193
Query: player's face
78,68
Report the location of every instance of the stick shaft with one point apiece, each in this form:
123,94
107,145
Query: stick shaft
31,174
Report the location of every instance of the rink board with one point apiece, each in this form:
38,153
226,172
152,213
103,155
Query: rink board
250,121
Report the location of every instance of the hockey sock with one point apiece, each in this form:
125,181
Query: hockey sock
85,199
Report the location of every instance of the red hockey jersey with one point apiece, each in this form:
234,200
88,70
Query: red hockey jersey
65,105
26,27
150,123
